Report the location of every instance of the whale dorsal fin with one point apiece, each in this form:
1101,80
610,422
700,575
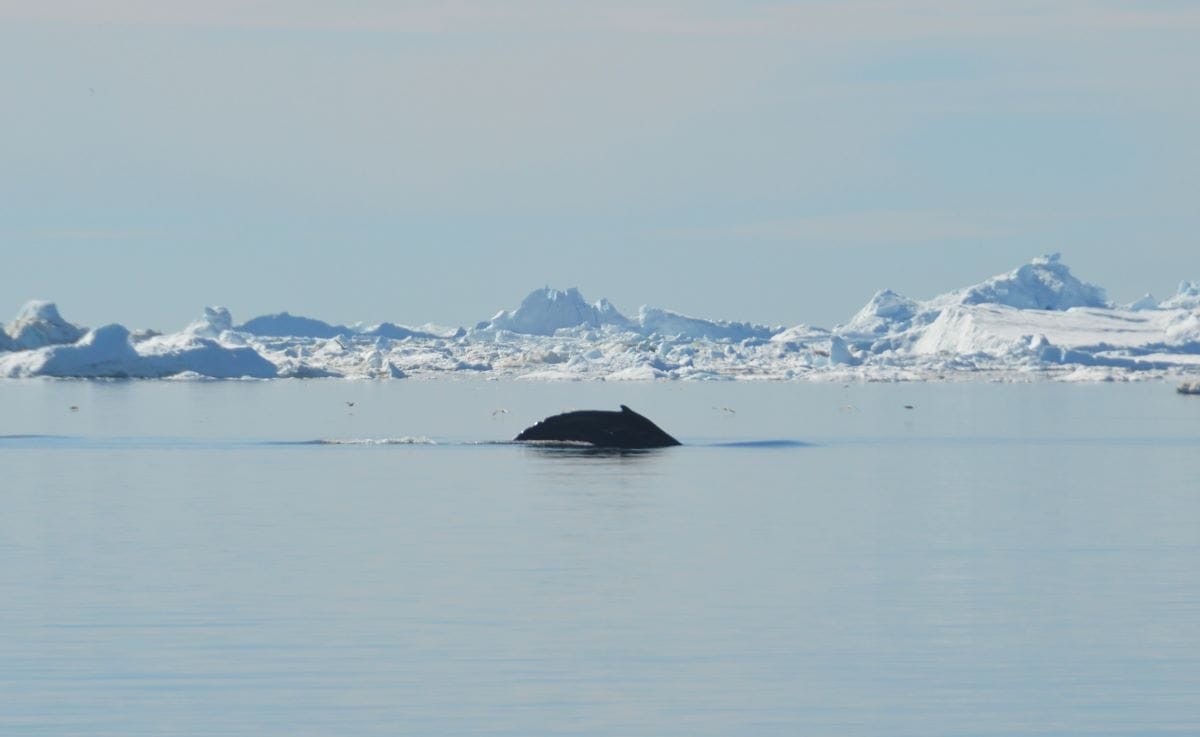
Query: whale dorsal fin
627,410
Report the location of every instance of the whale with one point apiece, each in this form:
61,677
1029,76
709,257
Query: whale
625,429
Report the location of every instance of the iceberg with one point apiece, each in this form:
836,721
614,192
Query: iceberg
1187,298
104,352
212,324
392,331
38,324
800,335
545,311
886,312
1042,284
1145,302
284,325
168,355
1039,304
652,320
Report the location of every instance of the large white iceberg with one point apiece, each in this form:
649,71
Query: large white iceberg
545,311
1038,314
1042,284
1045,283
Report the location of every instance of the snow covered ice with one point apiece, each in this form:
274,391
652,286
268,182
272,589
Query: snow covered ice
1187,298
547,310
1038,320
39,324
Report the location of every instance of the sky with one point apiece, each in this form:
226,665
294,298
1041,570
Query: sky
759,160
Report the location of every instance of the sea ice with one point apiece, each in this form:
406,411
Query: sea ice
1037,320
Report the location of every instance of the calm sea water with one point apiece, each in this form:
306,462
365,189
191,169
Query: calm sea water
178,559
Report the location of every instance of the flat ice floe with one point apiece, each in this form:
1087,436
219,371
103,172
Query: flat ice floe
1038,320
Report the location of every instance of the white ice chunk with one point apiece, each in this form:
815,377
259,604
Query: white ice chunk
211,324
1145,302
1187,298
38,324
886,312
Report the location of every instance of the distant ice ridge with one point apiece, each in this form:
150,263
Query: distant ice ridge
546,311
1037,320
1043,284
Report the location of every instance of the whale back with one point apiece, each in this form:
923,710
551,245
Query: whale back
600,428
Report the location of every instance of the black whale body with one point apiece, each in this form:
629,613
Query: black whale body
602,429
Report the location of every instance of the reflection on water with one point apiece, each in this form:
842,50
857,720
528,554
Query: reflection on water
168,561
571,451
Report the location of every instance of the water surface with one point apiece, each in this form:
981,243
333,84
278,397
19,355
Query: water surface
183,558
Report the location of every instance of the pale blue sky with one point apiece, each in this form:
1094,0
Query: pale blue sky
765,161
